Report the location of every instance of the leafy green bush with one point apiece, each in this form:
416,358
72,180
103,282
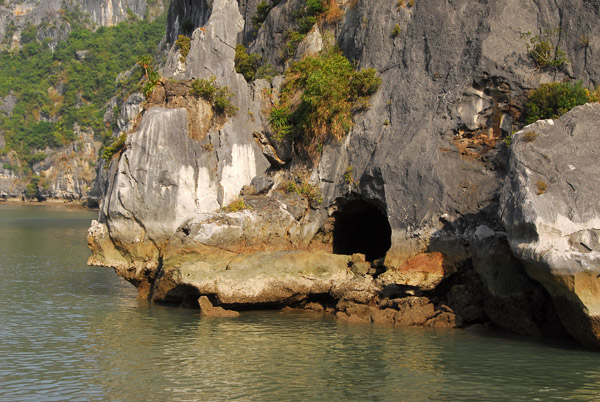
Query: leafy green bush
308,191
251,65
552,100
150,74
329,88
35,184
308,14
279,118
183,43
237,205
205,88
109,151
222,102
218,97
543,49
246,64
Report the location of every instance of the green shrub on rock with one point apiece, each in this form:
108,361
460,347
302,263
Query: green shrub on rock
328,88
279,118
218,97
550,101
222,102
110,150
205,88
309,191
246,64
236,205
251,65
543,49
151,76
183,43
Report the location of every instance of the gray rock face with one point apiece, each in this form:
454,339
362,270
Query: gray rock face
425,160
7,104
459,64
178,177
183,12
130,109
552,216
10,185
111,12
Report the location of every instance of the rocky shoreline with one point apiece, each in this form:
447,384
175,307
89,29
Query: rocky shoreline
49,202
430,212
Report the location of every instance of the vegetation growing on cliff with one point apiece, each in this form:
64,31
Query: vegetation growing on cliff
116,146
36,183
251,65
70,84
236,205
309,191
183,43
305,18
151,76
552,100
262,10
544,50
218,97
318,97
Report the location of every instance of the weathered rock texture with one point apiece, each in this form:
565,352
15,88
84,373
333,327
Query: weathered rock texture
552,215
418,174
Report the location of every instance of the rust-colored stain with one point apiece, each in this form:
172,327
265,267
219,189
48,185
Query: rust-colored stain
432,263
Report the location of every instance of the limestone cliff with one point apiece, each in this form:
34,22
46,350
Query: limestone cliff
414,186
551,213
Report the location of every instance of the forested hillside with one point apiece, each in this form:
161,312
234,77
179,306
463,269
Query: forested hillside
71,84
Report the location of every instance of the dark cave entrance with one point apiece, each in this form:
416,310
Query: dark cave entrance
361,228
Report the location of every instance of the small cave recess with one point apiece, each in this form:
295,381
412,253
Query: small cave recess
361,228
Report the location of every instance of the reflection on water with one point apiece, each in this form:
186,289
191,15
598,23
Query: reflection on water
71,332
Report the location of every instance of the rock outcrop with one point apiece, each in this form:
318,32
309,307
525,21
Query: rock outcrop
552,215
414,186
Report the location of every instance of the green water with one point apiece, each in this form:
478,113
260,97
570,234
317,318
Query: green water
72,332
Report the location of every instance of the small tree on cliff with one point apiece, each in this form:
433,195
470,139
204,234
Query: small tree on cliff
150,74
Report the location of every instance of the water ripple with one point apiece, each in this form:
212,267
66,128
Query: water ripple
77,333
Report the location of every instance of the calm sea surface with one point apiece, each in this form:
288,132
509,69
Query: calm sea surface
69,332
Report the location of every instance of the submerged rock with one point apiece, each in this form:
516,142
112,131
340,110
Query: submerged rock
208,310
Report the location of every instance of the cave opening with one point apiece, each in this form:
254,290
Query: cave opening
361,228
